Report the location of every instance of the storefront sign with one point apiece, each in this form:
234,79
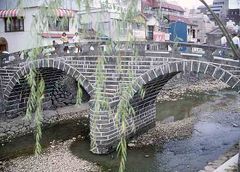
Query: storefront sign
159,36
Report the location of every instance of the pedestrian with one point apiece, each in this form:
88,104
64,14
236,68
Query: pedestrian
4,58
236,40
55,47
64,40
76,41
223,45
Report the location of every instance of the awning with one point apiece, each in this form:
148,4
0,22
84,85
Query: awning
9,13
64,13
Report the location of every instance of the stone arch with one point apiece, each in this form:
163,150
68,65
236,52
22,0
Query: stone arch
48,63
154,79
3,44
211,69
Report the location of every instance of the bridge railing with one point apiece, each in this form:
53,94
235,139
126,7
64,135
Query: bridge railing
193,48
15,58
176,49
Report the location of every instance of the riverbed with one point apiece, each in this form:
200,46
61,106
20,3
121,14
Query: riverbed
216,129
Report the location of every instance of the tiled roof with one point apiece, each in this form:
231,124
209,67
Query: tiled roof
171,6
156,4
178,18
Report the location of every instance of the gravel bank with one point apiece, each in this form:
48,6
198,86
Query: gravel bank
10,128
181,84
163,133
57,158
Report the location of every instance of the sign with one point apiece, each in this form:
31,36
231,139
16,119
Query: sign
167,36
159,36
139,34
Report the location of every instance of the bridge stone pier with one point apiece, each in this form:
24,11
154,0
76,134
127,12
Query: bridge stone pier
151,71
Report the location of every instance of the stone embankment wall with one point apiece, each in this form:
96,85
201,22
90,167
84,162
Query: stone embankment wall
11,128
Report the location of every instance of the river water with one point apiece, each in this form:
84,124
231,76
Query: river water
217,129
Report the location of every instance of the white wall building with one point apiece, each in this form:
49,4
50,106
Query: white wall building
17,30
201,24
106,20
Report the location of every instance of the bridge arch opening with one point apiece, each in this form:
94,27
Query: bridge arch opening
60,88
153,81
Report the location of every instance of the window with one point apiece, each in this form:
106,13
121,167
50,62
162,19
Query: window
193,34
14,24
60,24
150,32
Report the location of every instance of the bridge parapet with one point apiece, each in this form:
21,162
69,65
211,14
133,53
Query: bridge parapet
175,49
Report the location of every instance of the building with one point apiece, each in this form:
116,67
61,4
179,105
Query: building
162,14
106,20
203,9
201,25
159,8
234,15
17,31
234,11
220,8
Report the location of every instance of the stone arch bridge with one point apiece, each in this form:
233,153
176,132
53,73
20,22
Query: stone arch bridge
153,68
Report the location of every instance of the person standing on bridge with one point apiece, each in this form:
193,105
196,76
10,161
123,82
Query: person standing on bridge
223,45
236,40
64,39
76,41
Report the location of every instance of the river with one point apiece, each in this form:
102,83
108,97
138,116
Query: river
216,131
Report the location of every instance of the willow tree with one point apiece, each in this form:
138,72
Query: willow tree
41,20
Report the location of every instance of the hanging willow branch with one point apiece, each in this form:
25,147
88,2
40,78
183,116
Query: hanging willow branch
34,103
79,93
38,115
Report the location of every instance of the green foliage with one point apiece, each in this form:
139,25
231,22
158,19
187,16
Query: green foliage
124,112
38,115
32,97
34,103
79,93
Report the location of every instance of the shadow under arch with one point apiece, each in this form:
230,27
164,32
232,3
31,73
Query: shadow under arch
48,63
53,72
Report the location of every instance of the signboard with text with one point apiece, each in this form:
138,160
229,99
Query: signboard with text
159,36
